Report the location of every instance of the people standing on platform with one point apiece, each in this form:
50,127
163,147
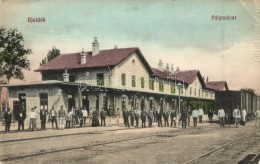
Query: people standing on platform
166,118
236,115
200,114
43,117
61,115
126,117
95,120
154,115
143,118
8,119
69,119
184,118
80,116
85,115
21,118
32,116
195,116
117,115
132,117
103,115
257,114
109,115
221,117
173,116
159,117
137,116
53,117
74,120
90,115
35,109
189,115
244,113
210,116
150,118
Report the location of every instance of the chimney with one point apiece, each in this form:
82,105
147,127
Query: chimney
178,69
95,47
172,70
207,80
66,76
160,65
83,56
115,47
167,67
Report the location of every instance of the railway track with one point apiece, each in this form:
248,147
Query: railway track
226,145
159,138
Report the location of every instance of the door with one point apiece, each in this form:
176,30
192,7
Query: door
71,101
16,109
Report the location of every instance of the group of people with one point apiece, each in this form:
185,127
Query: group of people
61,119
238,116
157,115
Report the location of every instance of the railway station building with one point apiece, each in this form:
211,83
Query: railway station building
116,78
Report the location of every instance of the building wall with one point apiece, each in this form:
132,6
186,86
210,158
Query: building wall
131,66
33,99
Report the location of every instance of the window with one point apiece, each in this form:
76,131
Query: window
43,101
161,86
151,84
133,81
100,79
123,79
142,82
194,91
190,91
199,92
172,88
72,78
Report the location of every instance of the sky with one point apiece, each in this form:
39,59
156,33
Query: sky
180,32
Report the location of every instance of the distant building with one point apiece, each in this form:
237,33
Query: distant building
230,100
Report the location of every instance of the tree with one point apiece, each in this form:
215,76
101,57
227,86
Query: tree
13,55
53,53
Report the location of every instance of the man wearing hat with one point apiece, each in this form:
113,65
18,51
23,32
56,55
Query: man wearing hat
8,119
43,115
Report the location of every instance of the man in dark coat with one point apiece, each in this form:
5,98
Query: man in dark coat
184,118
159,117
210,115
126,117
137,116
173,116
166,118
150,118
43,115
103,115
143,117
21,118
132,117
8,119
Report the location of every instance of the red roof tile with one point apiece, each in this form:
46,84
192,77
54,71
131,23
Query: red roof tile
187,76
217,85
104,58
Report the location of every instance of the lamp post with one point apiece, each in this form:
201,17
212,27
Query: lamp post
179,86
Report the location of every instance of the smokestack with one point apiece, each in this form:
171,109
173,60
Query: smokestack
178,69
95,47
83,57
172,70
66,76
167,67
207,80
160,65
